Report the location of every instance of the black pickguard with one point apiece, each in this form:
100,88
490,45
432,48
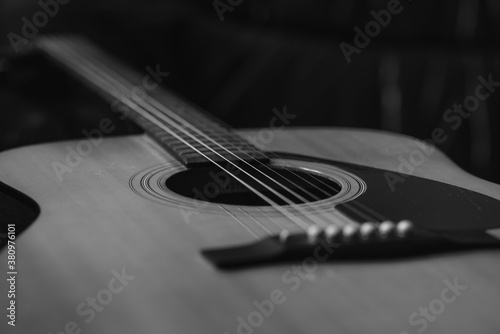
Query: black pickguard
431,205
445,217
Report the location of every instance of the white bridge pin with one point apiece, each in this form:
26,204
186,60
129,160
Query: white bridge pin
332,233
366,230
313,232
349,230
385,228
284,234
403,228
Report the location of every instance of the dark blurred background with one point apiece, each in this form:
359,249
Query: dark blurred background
271,53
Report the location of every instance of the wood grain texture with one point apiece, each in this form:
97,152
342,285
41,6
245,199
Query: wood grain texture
92,223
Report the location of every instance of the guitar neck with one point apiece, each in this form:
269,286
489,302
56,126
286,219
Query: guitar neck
191,135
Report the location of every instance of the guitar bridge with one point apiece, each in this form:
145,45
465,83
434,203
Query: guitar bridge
350,242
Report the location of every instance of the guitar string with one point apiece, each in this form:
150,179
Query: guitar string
319,222
160,106
314,185
256,221
296,195
366,215
154,121
240,222
142,112
315,219
266,166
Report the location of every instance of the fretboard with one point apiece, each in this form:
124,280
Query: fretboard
191,135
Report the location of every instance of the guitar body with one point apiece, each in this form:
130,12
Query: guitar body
99,237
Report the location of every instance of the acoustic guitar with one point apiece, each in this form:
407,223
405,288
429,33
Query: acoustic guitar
194,227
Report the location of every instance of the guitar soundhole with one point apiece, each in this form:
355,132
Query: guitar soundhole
281,185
